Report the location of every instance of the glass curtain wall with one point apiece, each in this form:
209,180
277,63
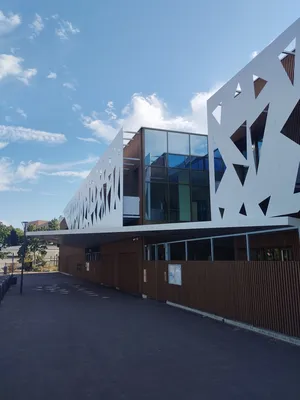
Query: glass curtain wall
176,177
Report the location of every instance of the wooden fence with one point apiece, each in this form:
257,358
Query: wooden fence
263,294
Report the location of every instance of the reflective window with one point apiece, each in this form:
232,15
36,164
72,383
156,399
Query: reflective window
198,145
179,175
156,201
155,147
180,203
177,183
178,161
156,174
200,203
178,143
200,178
199,163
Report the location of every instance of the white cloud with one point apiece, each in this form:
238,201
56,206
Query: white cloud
65,30
89,139
69,85
110,110
253,54
21,112
8,118
7,176
152,112
19,134
76,107
52,75
11,65
73,174
13,50
2,145
27,75
12,176
37,26
8,23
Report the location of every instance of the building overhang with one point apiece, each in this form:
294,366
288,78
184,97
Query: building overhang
160,232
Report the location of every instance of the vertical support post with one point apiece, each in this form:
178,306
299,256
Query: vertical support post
167,251
247,247
212,253
186,250
156,252
12,264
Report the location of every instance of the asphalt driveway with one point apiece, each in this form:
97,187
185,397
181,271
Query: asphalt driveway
67,339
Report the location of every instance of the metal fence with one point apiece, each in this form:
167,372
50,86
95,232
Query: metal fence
47,265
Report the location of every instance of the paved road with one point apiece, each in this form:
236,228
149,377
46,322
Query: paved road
66,339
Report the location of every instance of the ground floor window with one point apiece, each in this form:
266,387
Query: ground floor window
274,254
95,256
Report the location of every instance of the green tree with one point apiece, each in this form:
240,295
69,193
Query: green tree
35,251
53,225
20,235
13,238
37,247
4,239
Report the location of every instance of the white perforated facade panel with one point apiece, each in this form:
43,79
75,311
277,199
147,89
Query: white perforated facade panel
262,183
99,201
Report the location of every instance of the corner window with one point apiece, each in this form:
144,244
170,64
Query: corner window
198,145
155,147
178,143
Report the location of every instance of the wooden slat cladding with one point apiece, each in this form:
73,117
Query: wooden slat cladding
119,265
263,294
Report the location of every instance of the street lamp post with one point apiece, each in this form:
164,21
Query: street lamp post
25,225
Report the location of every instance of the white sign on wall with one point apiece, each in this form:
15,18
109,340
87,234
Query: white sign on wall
174,274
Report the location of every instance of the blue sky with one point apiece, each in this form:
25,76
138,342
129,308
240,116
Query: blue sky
73,72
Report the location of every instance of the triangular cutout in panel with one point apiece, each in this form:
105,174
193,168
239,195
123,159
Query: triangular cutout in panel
287,58
239,138
96,211
221,211
257,131
92,218
259,84
119,187
243,210
264,205
297,183
291,127
217,113
238,90
114,177
115,205
109,199
241,171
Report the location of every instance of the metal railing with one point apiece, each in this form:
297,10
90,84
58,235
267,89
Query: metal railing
5,283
